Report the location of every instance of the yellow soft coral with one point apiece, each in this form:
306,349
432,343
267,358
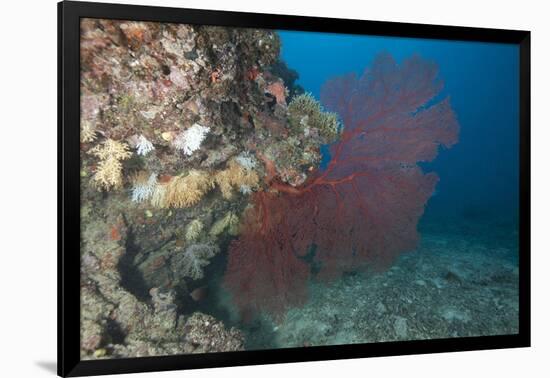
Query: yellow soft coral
159,195
229,222
187,190
193,230
108,173
235,176
87,132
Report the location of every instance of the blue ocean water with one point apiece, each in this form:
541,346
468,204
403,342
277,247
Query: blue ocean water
479,175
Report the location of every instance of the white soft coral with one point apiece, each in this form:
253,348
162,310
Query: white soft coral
195,258
144,190
144,146
191,139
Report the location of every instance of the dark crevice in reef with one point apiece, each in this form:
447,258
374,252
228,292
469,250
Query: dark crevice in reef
258,330
131,278
116,334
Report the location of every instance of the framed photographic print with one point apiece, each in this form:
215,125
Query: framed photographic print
240,188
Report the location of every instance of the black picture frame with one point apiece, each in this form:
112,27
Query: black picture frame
69,14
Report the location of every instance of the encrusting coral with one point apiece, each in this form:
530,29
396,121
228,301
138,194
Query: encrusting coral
170,113
108,173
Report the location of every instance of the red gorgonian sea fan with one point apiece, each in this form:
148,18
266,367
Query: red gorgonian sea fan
361,211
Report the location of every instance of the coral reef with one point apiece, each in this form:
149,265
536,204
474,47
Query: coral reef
362,210
114,323
198,137
168,134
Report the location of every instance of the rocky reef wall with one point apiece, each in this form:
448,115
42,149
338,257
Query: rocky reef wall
177,124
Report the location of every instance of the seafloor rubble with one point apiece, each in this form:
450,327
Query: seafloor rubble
174,119
454,285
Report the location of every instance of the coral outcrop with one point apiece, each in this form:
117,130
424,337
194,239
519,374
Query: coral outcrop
306,114
169,134
115,323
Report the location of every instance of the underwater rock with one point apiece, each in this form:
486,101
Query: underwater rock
205,334
451,314
453,277
400,327
381,308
